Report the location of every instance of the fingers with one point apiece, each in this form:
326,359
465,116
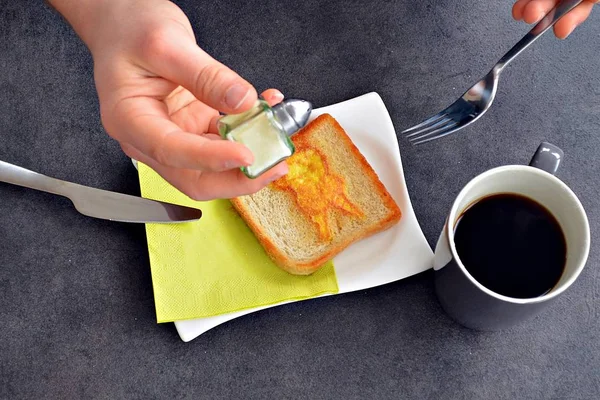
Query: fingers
535,10
567,24
532,11
271,96
188,113
517,10
234,183
145,127
181,61
144,124
203,186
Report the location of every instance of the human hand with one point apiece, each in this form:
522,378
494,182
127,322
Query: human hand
531,11
160,95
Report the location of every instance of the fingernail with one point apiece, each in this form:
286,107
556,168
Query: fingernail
571,31
236,95
244,162
248,159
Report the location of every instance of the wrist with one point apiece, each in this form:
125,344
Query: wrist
95,21
82,15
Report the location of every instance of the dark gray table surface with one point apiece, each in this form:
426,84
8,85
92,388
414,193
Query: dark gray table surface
76,300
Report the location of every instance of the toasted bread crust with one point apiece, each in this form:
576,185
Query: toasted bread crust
309,267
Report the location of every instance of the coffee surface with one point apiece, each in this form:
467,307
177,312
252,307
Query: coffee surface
512,245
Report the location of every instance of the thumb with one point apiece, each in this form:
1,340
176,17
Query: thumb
211,82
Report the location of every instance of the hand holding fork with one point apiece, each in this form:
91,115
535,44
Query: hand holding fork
478,99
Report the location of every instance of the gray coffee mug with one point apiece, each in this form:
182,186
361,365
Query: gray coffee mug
465,299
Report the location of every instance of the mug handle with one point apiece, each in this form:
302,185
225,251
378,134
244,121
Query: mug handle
547,157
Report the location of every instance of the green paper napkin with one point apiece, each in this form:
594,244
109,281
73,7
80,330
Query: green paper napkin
215,265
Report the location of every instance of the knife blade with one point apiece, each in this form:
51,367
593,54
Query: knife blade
98,203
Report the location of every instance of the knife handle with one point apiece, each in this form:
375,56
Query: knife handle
16,175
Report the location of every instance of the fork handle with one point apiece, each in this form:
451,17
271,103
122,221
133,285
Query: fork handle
538,30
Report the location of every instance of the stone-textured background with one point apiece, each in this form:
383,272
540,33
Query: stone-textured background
76,298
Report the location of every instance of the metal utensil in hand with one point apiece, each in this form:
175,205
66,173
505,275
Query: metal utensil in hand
478,99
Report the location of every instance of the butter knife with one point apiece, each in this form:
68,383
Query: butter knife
100,203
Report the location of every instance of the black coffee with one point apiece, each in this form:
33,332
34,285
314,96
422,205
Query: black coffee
511,245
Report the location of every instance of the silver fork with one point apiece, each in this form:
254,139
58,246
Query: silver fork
478,99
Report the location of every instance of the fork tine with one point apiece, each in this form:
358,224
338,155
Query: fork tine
441,135
428,121
437,133
418,142
439,123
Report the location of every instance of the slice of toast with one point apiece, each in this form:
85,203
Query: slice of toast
330,198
